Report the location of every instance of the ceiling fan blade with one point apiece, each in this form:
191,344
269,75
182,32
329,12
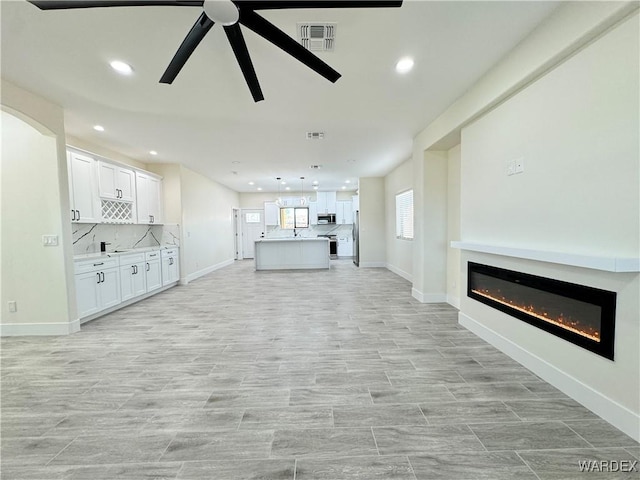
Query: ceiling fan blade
236,39
276,36
66,4
189,44
281,4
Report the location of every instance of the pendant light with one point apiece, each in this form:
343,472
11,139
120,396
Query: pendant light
303,200
279,199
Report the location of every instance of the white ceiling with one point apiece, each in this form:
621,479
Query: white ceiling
207,120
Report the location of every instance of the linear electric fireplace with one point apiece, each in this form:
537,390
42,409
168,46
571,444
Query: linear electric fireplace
582,315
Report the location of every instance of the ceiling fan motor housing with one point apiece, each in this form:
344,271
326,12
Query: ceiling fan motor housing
223,12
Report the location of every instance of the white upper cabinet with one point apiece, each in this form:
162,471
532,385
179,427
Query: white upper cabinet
149,198
344,212
271,214
313,213
83,194
116,183
326,202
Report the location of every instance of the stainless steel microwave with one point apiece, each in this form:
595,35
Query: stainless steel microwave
326,218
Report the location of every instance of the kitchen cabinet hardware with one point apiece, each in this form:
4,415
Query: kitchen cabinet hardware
73,217
98,264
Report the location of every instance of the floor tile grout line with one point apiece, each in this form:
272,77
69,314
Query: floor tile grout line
527,464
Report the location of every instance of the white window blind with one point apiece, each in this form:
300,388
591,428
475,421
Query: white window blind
404,215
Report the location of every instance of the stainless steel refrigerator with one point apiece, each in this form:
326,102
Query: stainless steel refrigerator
356,238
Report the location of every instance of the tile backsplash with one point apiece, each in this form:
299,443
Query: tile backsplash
87,236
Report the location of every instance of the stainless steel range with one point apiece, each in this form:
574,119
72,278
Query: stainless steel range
333,245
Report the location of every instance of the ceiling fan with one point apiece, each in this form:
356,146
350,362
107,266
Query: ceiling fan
232,13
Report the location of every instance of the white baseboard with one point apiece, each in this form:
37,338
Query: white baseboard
407,276
373,265
200,273
608,409
429,297
39,329
453,301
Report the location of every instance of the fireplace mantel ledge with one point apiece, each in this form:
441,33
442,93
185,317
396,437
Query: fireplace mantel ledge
607,264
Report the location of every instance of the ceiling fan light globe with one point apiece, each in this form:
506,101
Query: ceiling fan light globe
223,12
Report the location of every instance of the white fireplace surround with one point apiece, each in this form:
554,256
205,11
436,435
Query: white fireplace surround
595,262
493,326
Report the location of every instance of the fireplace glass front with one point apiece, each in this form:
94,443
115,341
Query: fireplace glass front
580,314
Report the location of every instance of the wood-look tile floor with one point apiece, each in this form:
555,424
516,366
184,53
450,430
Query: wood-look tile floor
335,374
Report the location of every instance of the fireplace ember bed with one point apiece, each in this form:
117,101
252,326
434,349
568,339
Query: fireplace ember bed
582,315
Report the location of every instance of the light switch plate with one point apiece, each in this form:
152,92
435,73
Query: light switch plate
13,306
511,167
50,240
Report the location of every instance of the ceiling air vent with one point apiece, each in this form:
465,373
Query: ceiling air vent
315,135
317,37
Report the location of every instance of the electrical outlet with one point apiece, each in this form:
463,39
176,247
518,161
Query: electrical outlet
519,165
13,306
511,167
50,240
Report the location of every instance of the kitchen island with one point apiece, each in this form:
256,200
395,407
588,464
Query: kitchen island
291,253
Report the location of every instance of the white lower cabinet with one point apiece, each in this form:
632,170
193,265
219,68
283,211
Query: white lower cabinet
108,280
97,285
345,246
133,277
153,270
170,266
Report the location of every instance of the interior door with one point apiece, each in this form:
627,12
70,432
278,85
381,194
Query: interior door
252,229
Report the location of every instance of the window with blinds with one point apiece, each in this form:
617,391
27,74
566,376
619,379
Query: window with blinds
404,215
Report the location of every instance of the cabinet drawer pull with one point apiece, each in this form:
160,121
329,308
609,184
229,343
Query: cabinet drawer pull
133,269
73,217
98,274
148,267
102,275
78,215
98,264
153,254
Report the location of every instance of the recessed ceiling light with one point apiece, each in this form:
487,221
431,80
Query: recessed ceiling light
404,65
343,187
315,182
347,181
287,188
153,152
235,161
251,183
121,67
283,182
98,128
315,187
259,188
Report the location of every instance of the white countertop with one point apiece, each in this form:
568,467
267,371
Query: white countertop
124,251
292,239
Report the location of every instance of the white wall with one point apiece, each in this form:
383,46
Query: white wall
207,224
453,226
399,253
103,152
35,202
430,227
372,222
577,129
